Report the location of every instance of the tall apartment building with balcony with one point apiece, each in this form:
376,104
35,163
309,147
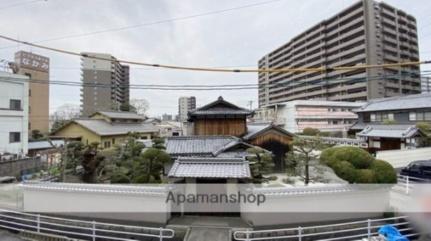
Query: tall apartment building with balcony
185,104
367,32
106,84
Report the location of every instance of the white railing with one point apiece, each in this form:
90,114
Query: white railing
408,183
341,231
90,230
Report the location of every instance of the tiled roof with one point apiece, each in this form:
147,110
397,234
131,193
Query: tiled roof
121,115
210,168
34,145
199,145
398,103
104,128
219,107
256,129
389,131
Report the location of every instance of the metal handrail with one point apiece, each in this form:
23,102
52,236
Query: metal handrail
274,234
32,222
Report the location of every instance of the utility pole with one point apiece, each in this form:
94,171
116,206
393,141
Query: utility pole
250,104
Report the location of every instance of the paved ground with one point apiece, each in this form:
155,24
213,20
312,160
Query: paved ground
209,234
209,221
6,236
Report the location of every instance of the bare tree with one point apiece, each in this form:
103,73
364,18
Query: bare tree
141,105
63,114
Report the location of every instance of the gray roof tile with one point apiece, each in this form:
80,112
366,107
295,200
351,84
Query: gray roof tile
398,103
199,145
210,168
121,115
389,131
104,128
219,107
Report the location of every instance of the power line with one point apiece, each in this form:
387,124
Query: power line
322,69
319,82
182,18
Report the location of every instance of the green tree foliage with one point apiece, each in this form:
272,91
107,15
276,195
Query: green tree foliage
302,156
127,107
159,143
36,135
425,127
260,163
58,124
355,165
310,131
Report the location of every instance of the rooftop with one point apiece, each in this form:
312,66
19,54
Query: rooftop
210,168
398,103
219,107
104,128
257,129
120,115
389,131
200,145
35,145
320,103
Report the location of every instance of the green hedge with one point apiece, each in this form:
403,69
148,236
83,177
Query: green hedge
356,165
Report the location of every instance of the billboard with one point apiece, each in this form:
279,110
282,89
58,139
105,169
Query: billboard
32,61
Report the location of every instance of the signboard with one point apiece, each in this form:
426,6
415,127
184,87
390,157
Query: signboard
32,61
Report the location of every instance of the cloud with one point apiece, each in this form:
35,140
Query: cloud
233,38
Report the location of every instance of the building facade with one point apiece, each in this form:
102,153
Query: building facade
367,32
185,104
295,116
109,129
106,84
426,84
36,67
390,123
14,117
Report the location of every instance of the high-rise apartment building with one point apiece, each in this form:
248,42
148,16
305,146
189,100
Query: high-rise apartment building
426,84
185,104
106,83
36,67
367,32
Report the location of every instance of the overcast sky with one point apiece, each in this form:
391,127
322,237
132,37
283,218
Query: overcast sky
230,38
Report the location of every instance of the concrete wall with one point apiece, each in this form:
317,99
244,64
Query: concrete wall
401,158
312,207
16,167
13,87
98,201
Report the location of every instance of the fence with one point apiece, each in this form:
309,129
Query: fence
89,230
341,231
18,167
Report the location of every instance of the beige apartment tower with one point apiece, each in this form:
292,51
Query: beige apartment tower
105,84
36,67
368,32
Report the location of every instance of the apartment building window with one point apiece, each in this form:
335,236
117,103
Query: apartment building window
14,137
15,104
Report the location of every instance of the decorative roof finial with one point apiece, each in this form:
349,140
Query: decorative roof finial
220,98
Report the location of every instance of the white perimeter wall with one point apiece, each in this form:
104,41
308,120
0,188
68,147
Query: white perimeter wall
401,158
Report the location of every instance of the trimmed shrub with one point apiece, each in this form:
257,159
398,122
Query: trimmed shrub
346,171
384,171
355,165
365,176
310,131
119,178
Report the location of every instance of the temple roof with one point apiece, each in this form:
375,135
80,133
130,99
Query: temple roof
220,107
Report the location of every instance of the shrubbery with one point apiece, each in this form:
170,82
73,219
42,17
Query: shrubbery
355,165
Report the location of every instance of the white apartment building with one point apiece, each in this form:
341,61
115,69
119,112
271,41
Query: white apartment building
185,104
295,116
14,92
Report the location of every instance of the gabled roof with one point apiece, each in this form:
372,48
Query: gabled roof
390,131
36,145
210,168
398,103
219,107
120,115
254,130
201,145
104,128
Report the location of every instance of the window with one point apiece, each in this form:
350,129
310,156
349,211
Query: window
373,117
113,141
14,137
390,116
15,104
412,116
107,144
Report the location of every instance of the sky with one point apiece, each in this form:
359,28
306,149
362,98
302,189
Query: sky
143,30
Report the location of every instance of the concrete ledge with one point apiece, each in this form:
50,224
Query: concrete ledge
34,236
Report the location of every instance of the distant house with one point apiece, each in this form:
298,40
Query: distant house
390,123
107,128
219,118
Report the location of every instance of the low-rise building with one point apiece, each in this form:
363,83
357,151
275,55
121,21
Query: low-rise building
390,123
295,116
107,128
14,92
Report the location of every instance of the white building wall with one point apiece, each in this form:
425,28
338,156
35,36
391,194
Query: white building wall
13,86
